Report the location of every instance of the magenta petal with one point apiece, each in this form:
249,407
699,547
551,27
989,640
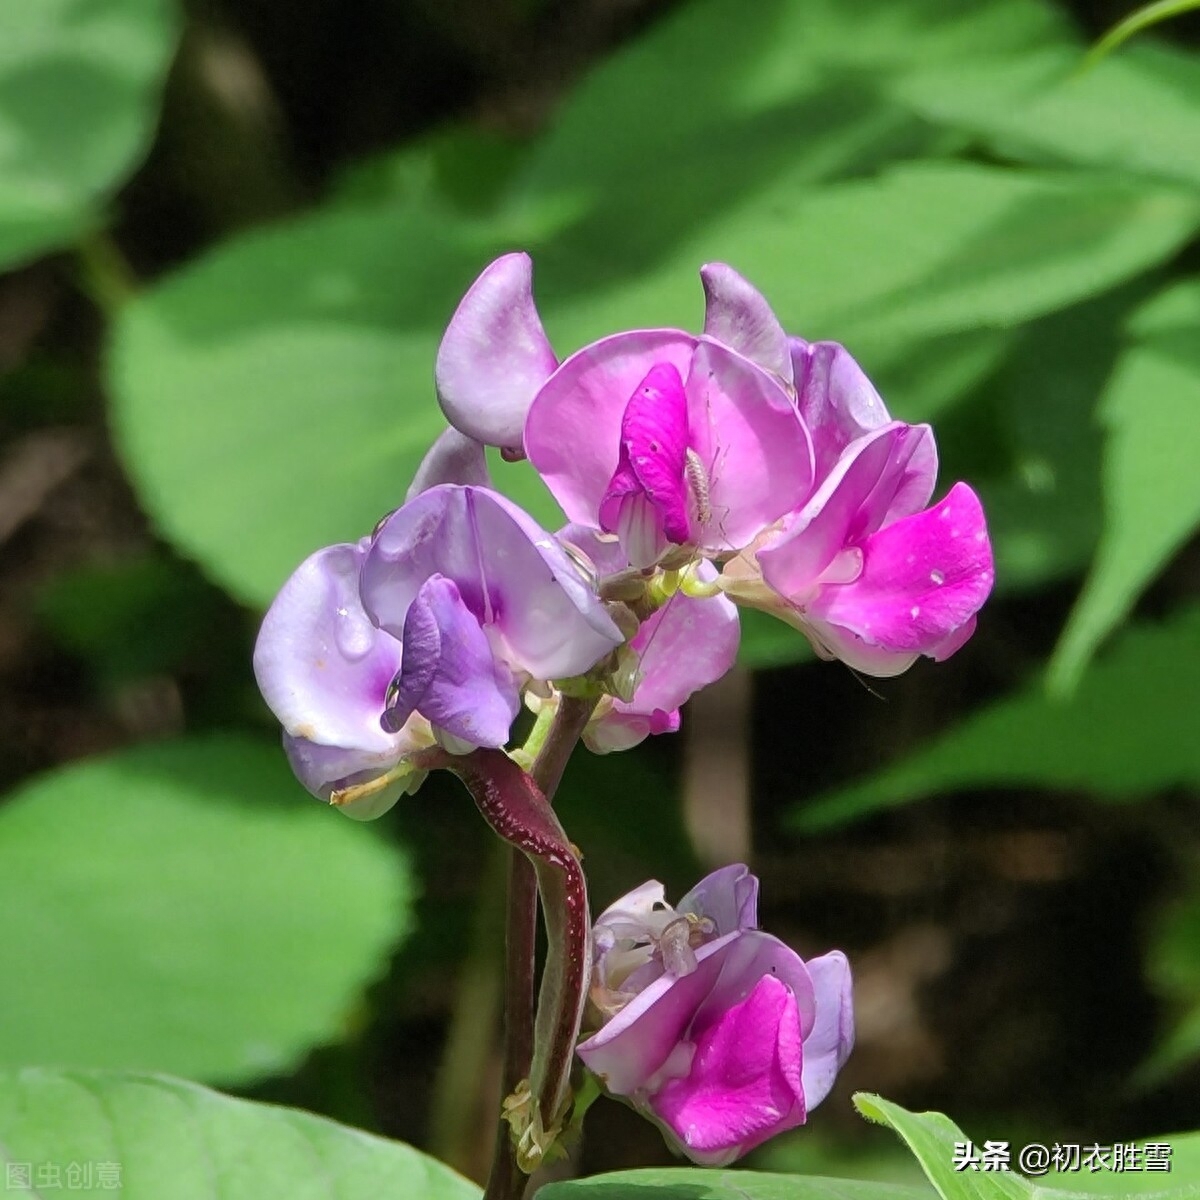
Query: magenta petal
832,1038
744,1083
923,579
736,313
573,431
653,450
453,458
754,449
836,400
494,355
628,1051
728,897
450,675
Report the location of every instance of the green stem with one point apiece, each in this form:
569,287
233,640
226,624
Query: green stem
105,273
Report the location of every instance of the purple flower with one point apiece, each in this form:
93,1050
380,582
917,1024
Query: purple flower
717,1032
661,437
680,648
324,669
863,568
481,600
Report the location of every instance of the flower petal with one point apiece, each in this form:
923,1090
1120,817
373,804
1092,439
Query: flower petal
736,314
453,458
744,1083
836,400
573,431
755,452
853,500
494,355
923,579
832,1038
450,674
728,897
322,666
653,451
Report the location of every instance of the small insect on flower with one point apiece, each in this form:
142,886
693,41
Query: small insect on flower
696,474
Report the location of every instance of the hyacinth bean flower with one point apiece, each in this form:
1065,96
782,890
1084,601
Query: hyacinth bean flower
481,600
659,436
680,648
324,670
718,1032
870,574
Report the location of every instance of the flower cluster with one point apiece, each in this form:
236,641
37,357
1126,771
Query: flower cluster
697,472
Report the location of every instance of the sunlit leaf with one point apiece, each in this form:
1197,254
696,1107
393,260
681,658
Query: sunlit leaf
1151,414
150,1137
1128,731
186,907
682,1183
79,85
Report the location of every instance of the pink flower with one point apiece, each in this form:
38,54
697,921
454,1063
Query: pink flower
863,568
717,1032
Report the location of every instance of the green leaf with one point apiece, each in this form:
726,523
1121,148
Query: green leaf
1137,113
1129,730
278,395
1181,1182
79,84
932,1137
186,907
1173,967
683,1183
160,1137
1151,413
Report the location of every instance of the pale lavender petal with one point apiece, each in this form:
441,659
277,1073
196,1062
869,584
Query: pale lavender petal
629,916
512,576
653,450
829,1043
835,398
323,667
617,730
923,579
749,957
628,1051
755,452
573,431
736,314
494,355
727,896
450,675
453,458
744,1083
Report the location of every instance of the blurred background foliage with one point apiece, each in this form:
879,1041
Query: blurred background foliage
231,232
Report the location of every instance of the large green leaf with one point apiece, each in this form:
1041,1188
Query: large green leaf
682,1183
1151,412
185,907
79,83
158,1138
1184,1173
932,1137
1127,731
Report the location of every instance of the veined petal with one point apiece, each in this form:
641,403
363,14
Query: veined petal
744,1083
453,458
494,355
923,579
829,1043
573,431
736,314
450,674
322,666
754,450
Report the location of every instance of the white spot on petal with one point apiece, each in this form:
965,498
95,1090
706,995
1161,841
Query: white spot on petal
936,578
915,611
